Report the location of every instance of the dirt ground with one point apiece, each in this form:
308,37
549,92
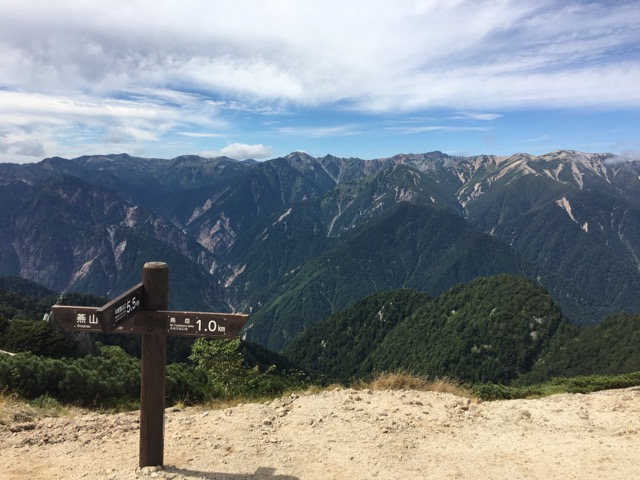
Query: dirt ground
344,434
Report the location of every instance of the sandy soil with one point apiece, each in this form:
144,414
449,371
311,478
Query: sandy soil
344,434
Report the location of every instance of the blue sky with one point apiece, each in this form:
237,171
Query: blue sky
358,78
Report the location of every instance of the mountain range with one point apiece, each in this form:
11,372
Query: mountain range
297,238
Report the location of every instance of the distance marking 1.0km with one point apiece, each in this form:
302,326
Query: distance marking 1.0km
204,324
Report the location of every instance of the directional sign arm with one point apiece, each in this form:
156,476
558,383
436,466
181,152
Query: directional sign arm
78,319
180,323
118,310
205,324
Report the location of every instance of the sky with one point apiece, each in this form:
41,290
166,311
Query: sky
351,78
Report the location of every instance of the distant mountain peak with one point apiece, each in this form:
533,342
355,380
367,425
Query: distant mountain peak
575,156
299,155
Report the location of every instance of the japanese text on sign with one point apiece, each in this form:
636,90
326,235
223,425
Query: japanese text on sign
194,325
86,320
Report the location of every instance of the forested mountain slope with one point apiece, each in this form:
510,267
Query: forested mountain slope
493,329
296,238
409,246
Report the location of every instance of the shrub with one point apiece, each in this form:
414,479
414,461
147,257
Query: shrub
185,384
236,369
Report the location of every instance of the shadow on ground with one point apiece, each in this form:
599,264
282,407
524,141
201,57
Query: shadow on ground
262,473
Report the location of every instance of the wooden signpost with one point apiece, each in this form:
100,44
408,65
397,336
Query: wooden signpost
143,310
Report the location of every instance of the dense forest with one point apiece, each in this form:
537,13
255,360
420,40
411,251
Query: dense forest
503,330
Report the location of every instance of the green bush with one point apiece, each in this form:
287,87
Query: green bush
88,382
494,391
36,337
185,384
581,384
594,383
237,369
112,379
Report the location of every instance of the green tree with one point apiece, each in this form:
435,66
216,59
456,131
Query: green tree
235,368
37,337
222,362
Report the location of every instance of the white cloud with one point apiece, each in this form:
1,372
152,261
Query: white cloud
242,151
19,146
199,134
317,132
436,128
625,156
138,71
541,138
77,122
476,116
377,55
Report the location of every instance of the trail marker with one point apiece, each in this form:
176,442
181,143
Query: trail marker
123,307
143,310
103,319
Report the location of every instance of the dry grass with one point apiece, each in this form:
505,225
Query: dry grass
13,409
223,403
406,381
6,400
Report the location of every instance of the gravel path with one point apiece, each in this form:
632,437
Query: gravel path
344,434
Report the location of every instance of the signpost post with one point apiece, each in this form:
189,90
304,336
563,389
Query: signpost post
143,310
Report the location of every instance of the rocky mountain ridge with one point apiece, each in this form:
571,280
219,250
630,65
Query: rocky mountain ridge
239,231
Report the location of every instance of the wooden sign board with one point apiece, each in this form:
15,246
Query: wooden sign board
141,310
125,314
104,319
121,308
202,324
78,319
